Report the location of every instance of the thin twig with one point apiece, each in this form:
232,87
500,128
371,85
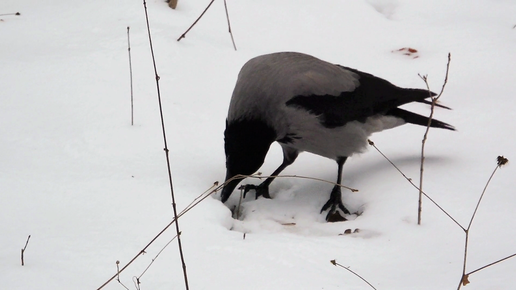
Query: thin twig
241,197
118,275
213,189
481,197
425,136
136,282
143,251
10,14
195,22
157,255
178,232
23,251
491,264
229,25
415,186
294,176
423,143
465,277
130,75
196,201
347,268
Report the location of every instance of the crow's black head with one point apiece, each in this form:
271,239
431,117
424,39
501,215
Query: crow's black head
246,143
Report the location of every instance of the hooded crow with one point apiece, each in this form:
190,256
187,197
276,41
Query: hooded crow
307,104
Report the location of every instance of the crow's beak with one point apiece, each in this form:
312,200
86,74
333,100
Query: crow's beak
229,187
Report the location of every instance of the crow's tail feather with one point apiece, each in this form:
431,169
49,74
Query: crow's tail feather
414,118
421,96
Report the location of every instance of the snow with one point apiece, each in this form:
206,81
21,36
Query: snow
91,189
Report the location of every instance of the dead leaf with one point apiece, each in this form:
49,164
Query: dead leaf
465,280
408,51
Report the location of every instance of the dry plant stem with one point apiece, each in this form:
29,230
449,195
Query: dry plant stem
334,262
481,197
143,251
23,251
425,136
239,204
423,142
10,14
136,282
178,232
157,255
196,201
491,264
464,279
200,197
130,75
415,186
195,22
202,14
292,176
118,275
229,25
213,189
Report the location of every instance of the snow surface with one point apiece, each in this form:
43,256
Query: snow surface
91,189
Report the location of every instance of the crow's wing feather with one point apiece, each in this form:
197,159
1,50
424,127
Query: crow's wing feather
372,96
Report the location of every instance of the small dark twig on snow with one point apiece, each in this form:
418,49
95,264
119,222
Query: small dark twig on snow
500,161
10,14
118,275
174,207
415,186
130,75
23,251
432,107
334,262
229,25
202,14
195,22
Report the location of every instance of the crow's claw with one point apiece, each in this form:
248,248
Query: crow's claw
248,187
334,203
261,190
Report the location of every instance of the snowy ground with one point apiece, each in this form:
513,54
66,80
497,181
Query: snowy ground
91,189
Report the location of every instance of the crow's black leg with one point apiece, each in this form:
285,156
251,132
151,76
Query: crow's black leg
289,156
335,201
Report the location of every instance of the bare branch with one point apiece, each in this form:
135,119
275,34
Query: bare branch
157,255
11,14
491,264
425,136
229,25
23,251
347,268
415,186
500,161
118,275
195,22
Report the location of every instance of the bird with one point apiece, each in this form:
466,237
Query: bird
308,104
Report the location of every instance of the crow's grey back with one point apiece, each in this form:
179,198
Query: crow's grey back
265,83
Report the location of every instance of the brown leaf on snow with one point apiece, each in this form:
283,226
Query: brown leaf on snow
408,51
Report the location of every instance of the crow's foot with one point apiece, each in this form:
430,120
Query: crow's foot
334,204
261,190
335,217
